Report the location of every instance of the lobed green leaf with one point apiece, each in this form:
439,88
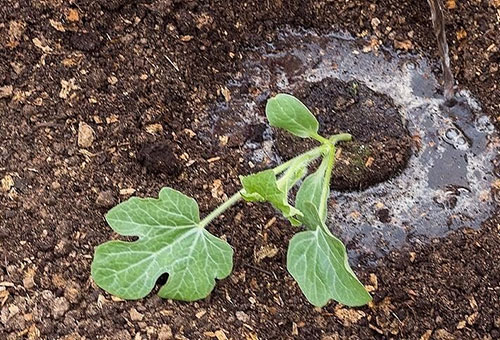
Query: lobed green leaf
170,241
287,112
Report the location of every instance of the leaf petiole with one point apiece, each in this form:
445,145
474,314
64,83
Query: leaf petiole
325,190
341,137
220,209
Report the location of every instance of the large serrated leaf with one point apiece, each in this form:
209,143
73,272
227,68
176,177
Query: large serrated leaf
287,112
317,260
263,187
170,241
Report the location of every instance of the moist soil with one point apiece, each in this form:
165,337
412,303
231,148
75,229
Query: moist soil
101,99
381,146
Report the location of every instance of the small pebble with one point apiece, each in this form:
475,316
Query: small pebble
135,315
59,307
106,199
165,333
85,135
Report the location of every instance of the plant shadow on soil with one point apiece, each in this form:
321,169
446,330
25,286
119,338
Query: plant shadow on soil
141,74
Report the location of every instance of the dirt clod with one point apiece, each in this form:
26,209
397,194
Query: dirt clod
59,307
443,334
135,315
6,91
87,42
85,135
106,199
159,158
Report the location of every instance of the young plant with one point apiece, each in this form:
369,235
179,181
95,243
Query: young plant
172,239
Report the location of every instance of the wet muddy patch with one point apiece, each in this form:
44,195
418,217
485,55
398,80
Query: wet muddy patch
382,144
417,169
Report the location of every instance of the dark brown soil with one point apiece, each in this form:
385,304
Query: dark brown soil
381,145
140,74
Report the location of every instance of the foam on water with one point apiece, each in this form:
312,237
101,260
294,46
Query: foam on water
448,181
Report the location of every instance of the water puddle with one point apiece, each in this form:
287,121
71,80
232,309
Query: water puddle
448,181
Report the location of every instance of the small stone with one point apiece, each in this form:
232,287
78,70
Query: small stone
375,23
106,199
267,251
165,333
85,135
472,318
461,34
127,191
242,316
6,91
72,15
6,183
57,25
217,189
426,335
59,307
58,281
112,80
443,334
34,333
220,335
200,314
135,315
66,87
44,47
403,45
72,292
154,128
334,336
13,310
29,279
349,316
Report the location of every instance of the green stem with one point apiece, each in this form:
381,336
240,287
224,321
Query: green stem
325,190
328,147
341,137
308,156
220,209
320,138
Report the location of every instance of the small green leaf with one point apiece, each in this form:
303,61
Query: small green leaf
317,260
170,241
287,112
263,187
310,192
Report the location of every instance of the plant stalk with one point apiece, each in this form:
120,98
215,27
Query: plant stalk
325,190
220,209
328,147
